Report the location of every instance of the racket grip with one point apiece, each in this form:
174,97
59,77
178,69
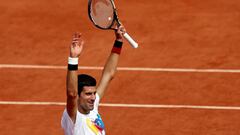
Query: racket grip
130,40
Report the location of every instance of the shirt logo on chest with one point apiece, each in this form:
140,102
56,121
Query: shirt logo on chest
97,126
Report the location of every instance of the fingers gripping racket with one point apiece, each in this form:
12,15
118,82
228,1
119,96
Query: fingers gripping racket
103,14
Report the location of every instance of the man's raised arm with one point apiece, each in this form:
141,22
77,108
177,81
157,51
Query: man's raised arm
72,79
112,61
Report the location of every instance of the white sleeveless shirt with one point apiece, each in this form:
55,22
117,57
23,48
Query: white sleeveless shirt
86,124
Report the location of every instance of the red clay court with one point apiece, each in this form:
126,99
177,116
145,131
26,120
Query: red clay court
184,79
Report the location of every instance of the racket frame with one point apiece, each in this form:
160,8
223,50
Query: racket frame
115,20
115,16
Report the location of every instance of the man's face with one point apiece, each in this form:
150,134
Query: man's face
87,98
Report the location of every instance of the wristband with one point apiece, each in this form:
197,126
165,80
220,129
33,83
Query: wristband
72,63
72,67
117,47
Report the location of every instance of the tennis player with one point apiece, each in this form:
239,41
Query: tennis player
81,116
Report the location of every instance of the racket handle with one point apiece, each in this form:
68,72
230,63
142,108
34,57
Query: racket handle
130,40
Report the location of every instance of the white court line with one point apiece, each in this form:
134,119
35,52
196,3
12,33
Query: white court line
124,68
127,105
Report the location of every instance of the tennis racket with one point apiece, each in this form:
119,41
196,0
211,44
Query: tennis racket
103,14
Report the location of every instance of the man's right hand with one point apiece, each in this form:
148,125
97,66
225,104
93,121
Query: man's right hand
76,46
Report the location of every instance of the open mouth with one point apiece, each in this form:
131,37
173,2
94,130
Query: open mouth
91,104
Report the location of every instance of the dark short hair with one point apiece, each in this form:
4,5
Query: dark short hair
85,80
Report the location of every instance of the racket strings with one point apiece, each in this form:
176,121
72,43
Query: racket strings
102,13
